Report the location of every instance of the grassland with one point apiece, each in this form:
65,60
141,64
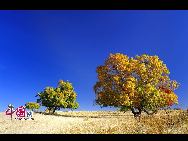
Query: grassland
98,122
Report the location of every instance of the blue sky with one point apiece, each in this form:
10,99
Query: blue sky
38,48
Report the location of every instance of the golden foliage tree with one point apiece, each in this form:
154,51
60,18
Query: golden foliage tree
63,96
140,84
32,105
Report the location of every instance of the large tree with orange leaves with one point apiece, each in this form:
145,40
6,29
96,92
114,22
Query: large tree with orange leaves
140,84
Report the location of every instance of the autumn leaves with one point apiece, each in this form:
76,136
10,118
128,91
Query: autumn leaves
141,82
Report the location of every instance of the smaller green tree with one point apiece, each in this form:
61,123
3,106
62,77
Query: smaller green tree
62,96
32,105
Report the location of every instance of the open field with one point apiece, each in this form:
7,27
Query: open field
97,122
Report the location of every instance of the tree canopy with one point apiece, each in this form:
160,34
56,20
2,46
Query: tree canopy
62,96
32,105
140,84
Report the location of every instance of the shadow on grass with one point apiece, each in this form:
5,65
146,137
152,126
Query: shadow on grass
112,115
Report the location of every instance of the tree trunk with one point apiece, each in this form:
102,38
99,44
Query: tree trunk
52,110
137,113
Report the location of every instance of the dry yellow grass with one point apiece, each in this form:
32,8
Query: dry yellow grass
98,122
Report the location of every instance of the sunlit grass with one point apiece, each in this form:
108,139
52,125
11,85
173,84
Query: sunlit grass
99,122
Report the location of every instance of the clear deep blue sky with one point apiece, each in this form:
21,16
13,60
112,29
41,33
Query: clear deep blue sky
38,48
